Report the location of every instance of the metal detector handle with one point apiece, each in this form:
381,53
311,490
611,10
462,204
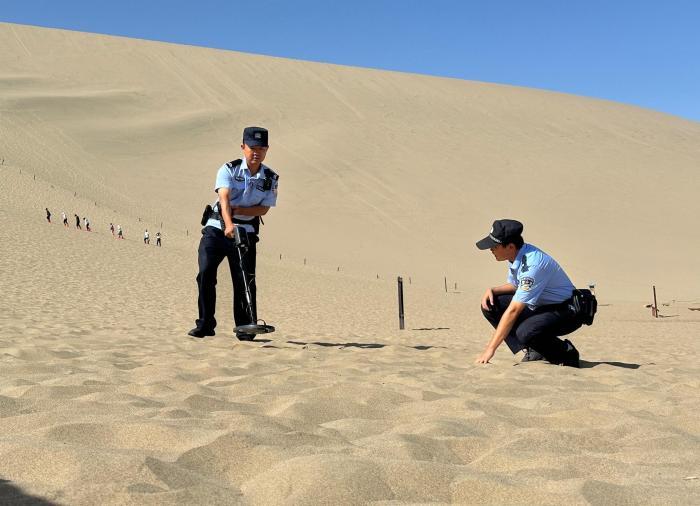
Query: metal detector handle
240,237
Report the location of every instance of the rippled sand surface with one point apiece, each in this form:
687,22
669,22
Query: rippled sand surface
105,400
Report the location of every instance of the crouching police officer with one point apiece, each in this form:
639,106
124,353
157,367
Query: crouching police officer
534,306
247,189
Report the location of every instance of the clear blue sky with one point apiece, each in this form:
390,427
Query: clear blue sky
643,52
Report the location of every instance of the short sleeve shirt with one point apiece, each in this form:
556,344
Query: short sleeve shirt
538,278
246,190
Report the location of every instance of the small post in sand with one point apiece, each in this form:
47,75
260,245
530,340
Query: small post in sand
401,319
445,284
655,307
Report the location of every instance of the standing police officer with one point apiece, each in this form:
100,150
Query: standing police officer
247,189
533,307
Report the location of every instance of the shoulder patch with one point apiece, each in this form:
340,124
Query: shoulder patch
234,163
526,283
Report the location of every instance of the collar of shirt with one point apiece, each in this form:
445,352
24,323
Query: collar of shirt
258,175
515,265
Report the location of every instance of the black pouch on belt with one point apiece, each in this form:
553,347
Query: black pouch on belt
585,305
207,214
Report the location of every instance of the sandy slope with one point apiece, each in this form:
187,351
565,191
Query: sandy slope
412,169
103,400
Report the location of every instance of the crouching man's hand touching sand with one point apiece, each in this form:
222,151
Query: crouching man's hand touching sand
507,322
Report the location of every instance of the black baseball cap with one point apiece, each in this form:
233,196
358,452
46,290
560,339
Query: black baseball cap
502,232
255,136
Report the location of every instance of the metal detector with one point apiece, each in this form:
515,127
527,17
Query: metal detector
240,237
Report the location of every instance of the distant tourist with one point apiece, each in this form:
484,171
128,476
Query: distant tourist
48,215
120,234
87,223
65,218
157,238
111,228
146,237
77,222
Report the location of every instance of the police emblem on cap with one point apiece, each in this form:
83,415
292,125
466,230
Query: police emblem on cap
255,136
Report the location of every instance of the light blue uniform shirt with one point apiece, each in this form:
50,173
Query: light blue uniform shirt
539,278
246,190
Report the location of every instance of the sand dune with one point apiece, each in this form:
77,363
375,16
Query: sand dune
104,400
413,167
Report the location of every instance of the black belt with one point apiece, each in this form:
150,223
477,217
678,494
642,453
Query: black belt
255,222
558,305
215,215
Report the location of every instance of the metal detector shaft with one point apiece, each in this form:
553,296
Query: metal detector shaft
240,246
248,297
255,326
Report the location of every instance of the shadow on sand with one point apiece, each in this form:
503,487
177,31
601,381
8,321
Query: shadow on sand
587,365
418,347
11,494
340,345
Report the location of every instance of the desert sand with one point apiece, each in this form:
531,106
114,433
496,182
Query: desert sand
104,399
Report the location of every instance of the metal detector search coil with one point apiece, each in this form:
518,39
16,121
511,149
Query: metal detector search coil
255,328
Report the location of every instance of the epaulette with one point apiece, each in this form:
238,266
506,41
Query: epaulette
234,163
271,174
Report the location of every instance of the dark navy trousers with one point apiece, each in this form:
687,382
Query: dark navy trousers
213,248
537,329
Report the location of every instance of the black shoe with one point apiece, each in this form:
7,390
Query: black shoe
571,356
197,332
245,337
531,355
